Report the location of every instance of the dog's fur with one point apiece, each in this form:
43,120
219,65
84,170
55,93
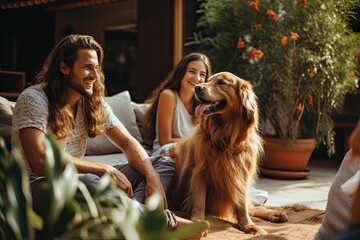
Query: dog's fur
218,163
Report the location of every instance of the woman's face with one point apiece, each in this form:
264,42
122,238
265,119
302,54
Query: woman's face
195,74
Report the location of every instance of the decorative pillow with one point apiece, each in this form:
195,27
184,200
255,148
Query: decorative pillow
6,112
147,135
121,105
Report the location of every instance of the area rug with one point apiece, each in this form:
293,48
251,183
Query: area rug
303,223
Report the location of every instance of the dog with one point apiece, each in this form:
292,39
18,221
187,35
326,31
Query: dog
218,163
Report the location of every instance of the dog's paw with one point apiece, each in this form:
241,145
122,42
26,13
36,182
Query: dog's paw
278,217
205,226
253,229
271,215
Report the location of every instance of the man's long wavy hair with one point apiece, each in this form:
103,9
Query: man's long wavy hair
61,117
173,82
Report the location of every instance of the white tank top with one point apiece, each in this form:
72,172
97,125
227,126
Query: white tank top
182,125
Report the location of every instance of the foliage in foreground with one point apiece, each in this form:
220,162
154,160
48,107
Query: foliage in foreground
71,210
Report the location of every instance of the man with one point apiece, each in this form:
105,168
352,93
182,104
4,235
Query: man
69,101
342,214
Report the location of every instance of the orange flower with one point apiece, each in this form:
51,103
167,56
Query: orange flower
235,11
271,15
294,36
284,40
303,1
251,54
258,26
300,107
310,74
259,54
310,99
254,5
254,52
240,43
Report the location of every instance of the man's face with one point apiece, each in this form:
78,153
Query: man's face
84,73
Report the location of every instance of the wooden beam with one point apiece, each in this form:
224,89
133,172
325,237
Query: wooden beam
178,31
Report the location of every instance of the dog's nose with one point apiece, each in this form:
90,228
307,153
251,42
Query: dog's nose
198,89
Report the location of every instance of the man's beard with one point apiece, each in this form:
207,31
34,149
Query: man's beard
78,88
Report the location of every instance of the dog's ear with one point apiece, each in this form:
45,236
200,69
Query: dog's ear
248,100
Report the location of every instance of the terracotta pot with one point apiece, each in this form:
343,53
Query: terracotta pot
280,154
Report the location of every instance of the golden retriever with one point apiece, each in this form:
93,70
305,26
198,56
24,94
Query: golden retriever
218,163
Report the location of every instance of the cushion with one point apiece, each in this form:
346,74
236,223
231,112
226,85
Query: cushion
121,105
6,112
147,135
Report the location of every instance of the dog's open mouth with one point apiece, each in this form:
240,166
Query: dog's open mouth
207,107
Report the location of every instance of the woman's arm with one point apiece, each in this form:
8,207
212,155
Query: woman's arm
165,115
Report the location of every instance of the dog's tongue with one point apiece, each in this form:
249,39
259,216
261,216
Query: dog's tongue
199,110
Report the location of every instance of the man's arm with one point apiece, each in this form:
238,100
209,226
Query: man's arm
138,158
33,147
354,142
355,217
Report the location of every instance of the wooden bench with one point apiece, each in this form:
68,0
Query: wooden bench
12,83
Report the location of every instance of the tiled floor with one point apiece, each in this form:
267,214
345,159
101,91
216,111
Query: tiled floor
311,191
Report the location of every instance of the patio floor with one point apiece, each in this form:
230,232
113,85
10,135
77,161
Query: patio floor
311,191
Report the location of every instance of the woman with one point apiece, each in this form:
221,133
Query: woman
173,104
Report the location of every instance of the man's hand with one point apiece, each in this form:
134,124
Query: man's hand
153,185
121,181
138,159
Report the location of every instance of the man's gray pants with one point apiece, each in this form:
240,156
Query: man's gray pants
164,166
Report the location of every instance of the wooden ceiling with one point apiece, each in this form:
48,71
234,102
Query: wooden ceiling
53,5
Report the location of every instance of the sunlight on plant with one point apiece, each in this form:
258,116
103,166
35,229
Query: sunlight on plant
298,54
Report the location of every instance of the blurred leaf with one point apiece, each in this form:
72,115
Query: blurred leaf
15,200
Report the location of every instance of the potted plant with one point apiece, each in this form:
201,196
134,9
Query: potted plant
298,54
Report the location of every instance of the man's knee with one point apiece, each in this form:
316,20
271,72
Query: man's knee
39,193
90,180
164,161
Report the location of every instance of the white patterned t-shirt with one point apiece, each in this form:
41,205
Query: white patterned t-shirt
32,110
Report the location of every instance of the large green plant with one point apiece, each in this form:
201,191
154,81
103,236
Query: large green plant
71,210
298,54
16,215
